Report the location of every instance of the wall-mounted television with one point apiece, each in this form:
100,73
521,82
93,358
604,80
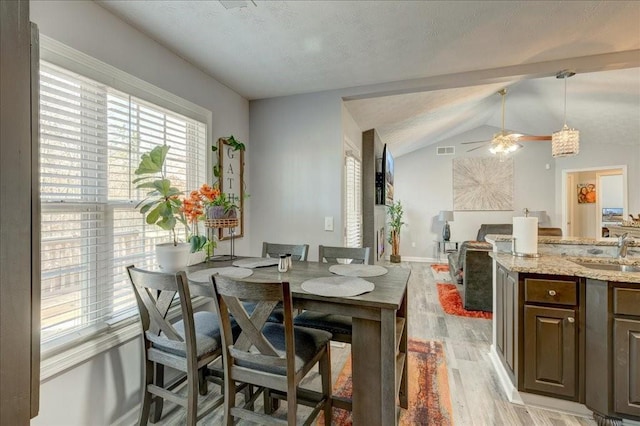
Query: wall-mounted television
384,179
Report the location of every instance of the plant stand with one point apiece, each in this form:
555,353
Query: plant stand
231,224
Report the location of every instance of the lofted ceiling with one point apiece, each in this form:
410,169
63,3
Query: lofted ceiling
279,48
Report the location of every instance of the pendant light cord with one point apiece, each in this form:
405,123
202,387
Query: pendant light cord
565,100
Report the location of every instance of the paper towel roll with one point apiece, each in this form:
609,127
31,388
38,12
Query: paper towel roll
525,233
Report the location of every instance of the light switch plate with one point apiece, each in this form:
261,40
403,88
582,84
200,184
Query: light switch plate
328,223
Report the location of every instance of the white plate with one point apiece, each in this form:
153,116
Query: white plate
202,276
337,286
358,270
256,262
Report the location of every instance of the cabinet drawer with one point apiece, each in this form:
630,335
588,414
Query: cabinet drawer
626,301
551,291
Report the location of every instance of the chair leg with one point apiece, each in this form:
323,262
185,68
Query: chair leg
158,402
193,385
229,400
325,374
146,396
292,404
202,382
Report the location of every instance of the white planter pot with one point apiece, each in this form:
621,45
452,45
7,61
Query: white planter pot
197,257
172,258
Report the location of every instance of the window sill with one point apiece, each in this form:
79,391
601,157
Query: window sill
62,361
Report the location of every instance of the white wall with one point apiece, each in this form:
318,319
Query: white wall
105,387
424,180
296,170
610,191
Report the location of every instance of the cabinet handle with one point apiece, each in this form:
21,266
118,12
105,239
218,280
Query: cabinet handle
552,292
571,320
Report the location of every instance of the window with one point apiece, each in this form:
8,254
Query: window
353,200
92,137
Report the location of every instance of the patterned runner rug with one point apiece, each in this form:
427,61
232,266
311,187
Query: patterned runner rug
452,303
429,398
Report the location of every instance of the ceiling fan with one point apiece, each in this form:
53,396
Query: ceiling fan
505,142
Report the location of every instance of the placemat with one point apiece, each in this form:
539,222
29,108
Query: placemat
358,270
256,262
337,286
202,276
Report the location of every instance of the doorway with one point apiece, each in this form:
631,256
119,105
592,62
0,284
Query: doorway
592,199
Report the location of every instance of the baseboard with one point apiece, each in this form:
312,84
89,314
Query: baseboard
418,259
128,418
555,404
503,377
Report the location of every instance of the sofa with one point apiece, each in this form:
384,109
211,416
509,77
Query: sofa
471,266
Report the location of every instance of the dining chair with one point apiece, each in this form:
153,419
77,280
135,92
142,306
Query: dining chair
352,254
340,326
297,251
271,356
187,345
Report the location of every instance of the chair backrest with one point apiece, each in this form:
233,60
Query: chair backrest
298,251
154,293
354,254
229,295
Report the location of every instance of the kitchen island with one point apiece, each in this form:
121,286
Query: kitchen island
566,333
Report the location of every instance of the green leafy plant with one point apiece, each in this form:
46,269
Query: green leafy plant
162,205
395,224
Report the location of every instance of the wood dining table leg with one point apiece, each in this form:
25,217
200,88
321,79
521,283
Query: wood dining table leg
373,368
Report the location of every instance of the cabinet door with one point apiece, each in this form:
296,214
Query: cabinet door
626,366
511,318
550,356
499,309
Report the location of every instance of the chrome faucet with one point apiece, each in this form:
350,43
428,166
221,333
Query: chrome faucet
623,244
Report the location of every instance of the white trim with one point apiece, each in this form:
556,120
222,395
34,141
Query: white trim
419,259
564,195
503,378
60,362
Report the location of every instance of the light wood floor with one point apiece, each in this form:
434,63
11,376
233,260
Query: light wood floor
475,393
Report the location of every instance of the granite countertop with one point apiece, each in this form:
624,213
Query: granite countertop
563,265
567,240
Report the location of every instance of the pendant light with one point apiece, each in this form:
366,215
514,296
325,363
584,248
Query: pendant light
566,141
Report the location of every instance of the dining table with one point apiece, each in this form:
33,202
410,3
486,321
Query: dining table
379,334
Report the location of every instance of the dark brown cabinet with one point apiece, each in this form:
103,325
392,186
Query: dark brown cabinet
506,317
626,344
550,355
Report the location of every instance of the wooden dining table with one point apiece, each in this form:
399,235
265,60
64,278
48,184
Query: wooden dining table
379,340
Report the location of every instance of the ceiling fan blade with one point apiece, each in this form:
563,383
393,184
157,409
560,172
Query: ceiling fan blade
466,143
534,138
478,147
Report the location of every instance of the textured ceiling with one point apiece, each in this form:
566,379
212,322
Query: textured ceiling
280,48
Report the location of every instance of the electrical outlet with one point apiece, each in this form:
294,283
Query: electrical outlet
328,223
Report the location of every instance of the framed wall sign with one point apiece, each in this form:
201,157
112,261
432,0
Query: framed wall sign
231,166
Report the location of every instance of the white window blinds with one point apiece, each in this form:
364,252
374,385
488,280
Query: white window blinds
92,137
353,201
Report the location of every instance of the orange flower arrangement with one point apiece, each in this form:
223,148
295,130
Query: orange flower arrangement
192,207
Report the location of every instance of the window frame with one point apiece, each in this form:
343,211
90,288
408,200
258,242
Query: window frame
60,356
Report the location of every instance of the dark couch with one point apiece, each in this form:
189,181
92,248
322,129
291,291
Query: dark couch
471,266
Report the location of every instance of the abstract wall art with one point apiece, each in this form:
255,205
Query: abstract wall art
482,184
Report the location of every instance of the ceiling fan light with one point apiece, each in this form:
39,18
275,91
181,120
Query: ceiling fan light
503,144
565,142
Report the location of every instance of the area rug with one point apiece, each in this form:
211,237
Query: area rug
440,272
452,303
429,398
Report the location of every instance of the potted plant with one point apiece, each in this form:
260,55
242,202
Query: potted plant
395,224
162,207
201,246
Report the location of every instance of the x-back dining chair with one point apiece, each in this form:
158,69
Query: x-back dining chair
297,251
275,357
187,345
353,254
340,326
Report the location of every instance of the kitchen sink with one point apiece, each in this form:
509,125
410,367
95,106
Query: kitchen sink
610,266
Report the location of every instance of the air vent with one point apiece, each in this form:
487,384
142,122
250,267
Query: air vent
446,150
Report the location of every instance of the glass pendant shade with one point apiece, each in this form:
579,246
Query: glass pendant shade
565,142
